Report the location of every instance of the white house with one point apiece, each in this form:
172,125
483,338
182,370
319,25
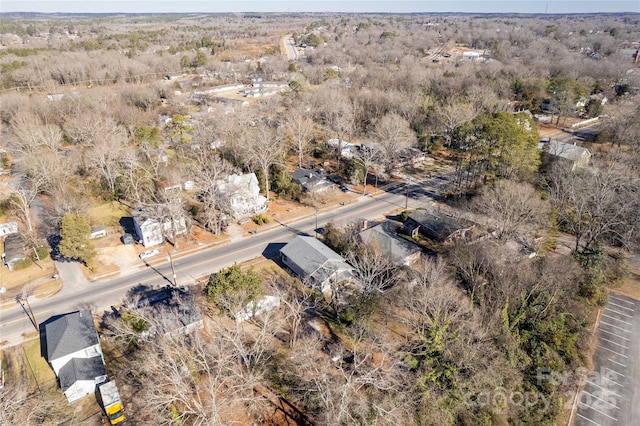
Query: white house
8,228
74,353
150,230
346,147
242,193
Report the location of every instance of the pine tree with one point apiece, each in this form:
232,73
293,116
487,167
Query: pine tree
75,243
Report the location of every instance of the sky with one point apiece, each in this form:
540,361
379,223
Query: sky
390,6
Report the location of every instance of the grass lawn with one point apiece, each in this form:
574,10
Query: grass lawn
36,366
108,214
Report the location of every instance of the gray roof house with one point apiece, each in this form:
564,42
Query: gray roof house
73,350
172,311
13,250
436,226
578,156
315,263
385,238
311,180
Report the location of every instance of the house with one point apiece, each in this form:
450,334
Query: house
436,226
242,194
173,311
169,186
98,231
345,147
410,156
315,263
311,180
385,238
265,304
13,250
8,228
151,224
577,156
73,350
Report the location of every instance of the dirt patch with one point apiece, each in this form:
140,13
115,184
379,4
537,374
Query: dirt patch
631,284
29,279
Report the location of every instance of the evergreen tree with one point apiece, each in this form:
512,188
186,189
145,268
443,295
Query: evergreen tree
75,243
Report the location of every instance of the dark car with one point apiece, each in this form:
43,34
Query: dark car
343,188
334,178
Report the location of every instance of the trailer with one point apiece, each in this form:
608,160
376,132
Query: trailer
110,401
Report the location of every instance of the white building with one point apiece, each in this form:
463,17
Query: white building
73,350
242,193
150,230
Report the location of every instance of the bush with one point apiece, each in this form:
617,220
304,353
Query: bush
260,219
43,252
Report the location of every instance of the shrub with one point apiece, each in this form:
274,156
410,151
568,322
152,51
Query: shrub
260,219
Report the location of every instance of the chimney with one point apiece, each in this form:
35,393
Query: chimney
365,224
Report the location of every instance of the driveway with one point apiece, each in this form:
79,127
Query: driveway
611,395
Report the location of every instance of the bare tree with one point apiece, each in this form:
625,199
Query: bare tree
264,148
394,135
512,206
32,134
369,158
208,168
374,271
595,205
105,154
450,115
300,129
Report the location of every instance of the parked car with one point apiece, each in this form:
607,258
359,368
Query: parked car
343,188
149,253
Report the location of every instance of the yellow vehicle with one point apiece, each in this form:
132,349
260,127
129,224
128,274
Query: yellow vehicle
110,400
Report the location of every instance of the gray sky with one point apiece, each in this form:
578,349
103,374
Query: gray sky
401,6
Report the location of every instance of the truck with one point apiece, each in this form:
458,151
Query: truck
110,401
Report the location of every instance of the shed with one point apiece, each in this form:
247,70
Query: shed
436,225
98,231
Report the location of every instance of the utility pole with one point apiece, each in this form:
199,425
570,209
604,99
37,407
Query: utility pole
32,316
316,230
173,271
406,197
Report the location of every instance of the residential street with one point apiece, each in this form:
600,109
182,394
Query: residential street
77,293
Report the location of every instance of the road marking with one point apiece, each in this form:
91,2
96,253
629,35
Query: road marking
615,326
612,381
611,350
600,399
614,318
617,335
589,420
622,300
620,306
618,312
598,411
614,371
619,363
612,342
606,389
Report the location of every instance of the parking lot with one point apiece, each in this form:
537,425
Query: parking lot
611,393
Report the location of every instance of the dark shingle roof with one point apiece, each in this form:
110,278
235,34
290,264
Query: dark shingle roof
437,225
70,333
386,239
80,369
315,259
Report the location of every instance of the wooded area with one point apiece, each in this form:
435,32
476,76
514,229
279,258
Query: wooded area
115,108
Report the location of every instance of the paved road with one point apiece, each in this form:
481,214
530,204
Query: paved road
611,395
100,296
292,52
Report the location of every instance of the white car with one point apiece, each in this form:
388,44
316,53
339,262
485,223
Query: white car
149,253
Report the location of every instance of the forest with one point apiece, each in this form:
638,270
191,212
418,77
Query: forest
104,108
